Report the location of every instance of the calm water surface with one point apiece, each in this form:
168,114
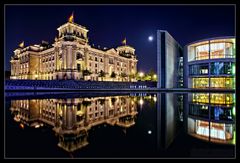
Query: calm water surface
96,125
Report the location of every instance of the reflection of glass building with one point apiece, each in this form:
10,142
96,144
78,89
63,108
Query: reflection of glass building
210,63
71,119
210,119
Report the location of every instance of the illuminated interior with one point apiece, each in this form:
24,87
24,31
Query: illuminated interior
222,68
202,52
217,130
218,48
200,97
222,82
215,82
221,49
215,98
200,82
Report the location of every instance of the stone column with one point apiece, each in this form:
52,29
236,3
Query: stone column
69,58
73,58
56,59
64,58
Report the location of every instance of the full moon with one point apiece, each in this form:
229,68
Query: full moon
150,38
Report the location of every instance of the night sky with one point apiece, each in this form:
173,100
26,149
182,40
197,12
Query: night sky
108,25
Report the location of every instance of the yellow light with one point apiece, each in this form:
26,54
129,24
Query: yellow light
154,76
141,101
155,99
234,111
121,109
37,126
21,126
141,74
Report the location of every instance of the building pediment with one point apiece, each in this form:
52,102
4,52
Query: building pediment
112,51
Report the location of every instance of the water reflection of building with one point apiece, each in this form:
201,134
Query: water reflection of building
72,118
169,114
211,117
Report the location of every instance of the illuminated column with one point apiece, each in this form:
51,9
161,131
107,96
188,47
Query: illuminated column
69,117
106,64
69,58
86,59
56,59
64,58
74,58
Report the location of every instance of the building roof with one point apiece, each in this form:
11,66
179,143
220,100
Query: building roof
209,39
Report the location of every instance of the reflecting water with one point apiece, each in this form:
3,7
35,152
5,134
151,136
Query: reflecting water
162,125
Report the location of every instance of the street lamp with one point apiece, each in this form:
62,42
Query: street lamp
141,74
154,76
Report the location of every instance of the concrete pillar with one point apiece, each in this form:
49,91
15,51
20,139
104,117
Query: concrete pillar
69,58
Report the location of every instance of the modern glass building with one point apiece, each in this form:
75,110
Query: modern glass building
210,63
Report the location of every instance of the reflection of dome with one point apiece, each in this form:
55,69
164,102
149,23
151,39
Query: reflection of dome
126,121
73,141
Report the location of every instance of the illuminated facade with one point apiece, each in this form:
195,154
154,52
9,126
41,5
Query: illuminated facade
71,57
211,117
210,63
71,119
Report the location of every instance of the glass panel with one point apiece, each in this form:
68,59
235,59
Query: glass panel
201,97
201,69
202,52
221,83
221,98
221,50
200,82
222,68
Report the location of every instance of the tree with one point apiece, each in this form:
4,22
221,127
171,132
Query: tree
86,72
132,76
123,75
102,74
151,73
113,75
140,76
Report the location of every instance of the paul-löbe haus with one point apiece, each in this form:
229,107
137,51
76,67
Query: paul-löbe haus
210,63
71,57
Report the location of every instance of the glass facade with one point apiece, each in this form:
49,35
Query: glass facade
200,82
222,68
215,66
202,52
200,69
221,50
215,82
217,48
222,82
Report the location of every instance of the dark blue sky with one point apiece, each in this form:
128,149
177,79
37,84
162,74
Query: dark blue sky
109,24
